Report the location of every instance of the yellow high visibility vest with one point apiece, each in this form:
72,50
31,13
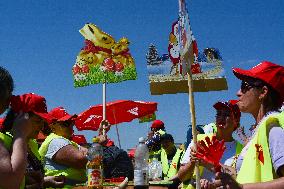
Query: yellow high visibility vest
187,184
70,173
257,164
172,169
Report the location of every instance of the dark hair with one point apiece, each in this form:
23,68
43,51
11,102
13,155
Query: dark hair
6,82
272,102
167,137
9,121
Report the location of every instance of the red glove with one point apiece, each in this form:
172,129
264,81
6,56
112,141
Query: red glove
211,152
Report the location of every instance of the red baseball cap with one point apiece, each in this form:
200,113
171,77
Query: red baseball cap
30,102
79,139
157,124
230,105
60,114
270,73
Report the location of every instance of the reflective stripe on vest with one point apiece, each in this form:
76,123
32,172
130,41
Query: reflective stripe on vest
188,184
172,169
154,155
161,132
34,148
257,165
7,140
69,173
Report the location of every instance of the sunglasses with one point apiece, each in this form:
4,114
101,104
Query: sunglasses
66,124
223,114
246,86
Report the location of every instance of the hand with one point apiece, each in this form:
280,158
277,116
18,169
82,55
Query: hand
150,134
206,184
34,179
104,125
102,139
83,150
224,180
54,181
21,126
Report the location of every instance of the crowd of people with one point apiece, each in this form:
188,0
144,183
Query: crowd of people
59,162
256,162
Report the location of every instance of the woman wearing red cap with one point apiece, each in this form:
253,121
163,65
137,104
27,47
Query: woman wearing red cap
227,121
24,120
61,156
261,162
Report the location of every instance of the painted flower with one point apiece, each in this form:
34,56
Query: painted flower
85,69
76,69
109,64
119,67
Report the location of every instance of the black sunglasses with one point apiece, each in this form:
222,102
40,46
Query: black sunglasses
66,124
246,86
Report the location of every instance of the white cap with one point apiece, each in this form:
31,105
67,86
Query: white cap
141,139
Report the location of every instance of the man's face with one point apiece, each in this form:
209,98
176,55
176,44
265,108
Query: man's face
225,120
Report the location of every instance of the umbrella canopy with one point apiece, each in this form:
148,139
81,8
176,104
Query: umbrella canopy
116,112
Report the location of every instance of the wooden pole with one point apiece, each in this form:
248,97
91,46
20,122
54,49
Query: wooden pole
193,122
104,106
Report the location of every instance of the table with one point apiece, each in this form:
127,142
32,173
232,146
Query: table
128,187
152,185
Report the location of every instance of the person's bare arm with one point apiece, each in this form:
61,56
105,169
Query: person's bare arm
13,164
227,181
12,167
70,157
185,171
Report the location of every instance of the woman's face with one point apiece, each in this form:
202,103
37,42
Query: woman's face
249,100
63,128
37,123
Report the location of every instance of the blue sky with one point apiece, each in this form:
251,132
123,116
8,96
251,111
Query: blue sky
40,41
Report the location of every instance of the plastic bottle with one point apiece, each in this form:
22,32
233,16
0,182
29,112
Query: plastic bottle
141,177
155,170
94,166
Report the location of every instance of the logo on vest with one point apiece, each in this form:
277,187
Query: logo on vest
259,150
174,165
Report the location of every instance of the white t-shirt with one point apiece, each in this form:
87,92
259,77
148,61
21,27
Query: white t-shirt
209,128
227,158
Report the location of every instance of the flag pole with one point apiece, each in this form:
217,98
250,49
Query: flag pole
193,122
104,105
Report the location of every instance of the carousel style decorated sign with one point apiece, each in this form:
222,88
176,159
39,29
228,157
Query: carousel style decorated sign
168,75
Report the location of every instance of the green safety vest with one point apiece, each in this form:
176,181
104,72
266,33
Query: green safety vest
69,173
172,169
257,164
7,139
155,155
34,148
187,184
